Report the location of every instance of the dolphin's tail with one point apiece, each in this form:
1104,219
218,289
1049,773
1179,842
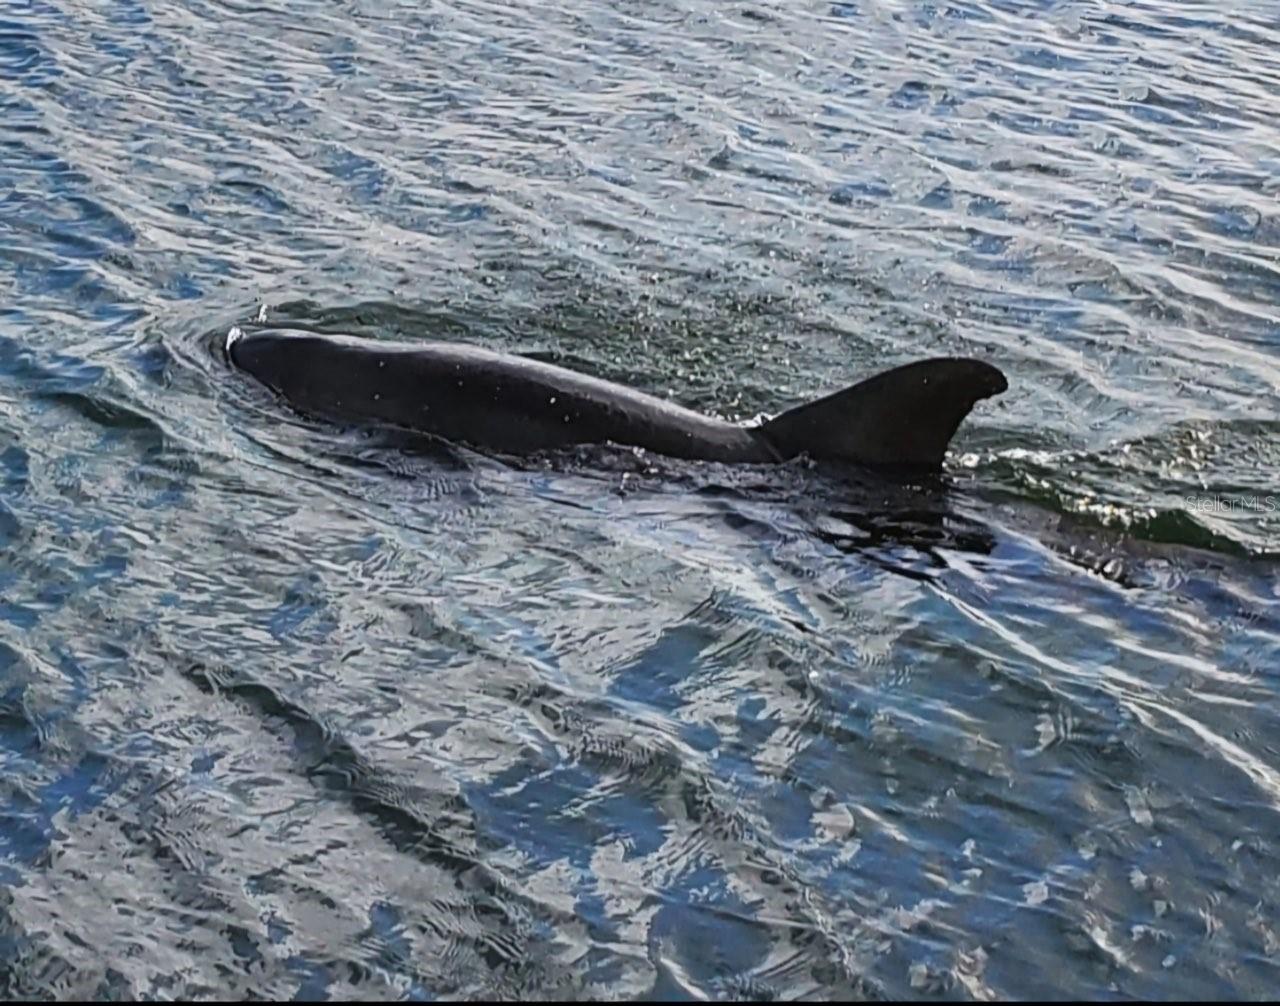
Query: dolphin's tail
903,417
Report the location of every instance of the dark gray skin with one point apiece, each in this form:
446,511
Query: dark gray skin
514,405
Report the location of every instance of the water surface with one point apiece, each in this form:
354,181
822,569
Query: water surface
287,710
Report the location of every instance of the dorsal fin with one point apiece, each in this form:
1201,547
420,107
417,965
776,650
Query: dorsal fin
905,416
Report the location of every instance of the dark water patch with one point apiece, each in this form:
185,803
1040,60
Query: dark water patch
10,531
111,416
23,58
431,823
240,183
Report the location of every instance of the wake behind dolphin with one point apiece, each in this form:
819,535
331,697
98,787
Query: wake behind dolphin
511,404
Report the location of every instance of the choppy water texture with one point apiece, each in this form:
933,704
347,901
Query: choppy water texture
288,710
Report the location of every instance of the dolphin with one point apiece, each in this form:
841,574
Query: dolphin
903,417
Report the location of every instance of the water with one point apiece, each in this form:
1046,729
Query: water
290,711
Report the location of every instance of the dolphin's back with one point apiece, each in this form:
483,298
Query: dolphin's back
511,404
507,403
